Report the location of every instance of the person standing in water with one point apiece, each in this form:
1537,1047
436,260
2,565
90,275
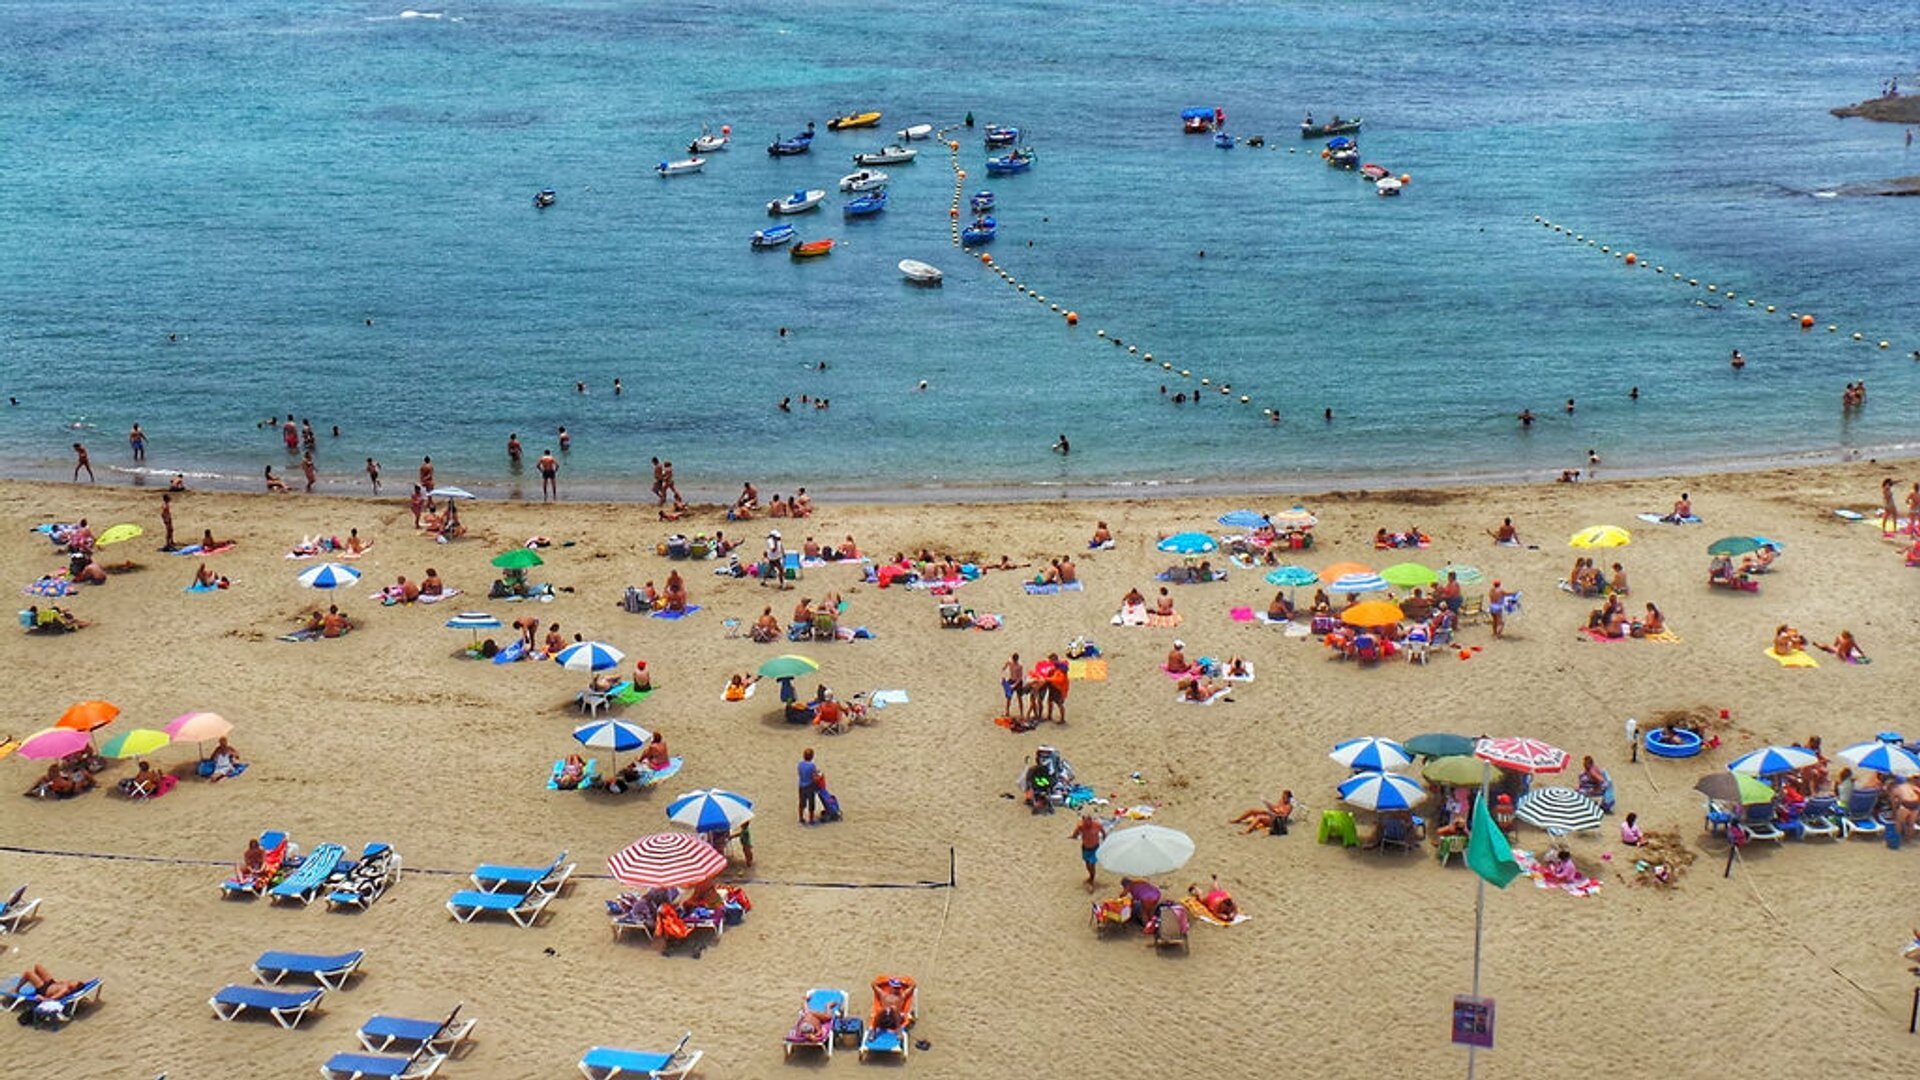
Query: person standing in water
1062,447
137,440
81,461
549,473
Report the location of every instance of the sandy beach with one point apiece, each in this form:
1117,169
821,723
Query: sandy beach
1349,955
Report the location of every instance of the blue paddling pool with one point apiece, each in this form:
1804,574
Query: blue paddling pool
1673,743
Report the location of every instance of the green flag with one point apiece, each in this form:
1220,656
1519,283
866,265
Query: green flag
1488,852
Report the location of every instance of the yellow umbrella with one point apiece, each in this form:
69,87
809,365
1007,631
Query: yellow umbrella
118,533
1601,536
1373,613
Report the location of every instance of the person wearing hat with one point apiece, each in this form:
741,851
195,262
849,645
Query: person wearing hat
1177,658
773,566
642,678
1503,813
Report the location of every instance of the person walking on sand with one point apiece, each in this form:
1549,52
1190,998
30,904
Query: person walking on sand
417,502
549,474
166,519
81,461
1090,832
373,474
809,777
137,440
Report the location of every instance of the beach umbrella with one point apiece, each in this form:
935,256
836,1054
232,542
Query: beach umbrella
1144,850
1188,543
615,735
1558,810
1341,569
1882,757
1600,536
1438,744
1357,583
1465,575
711,810
788,667
1370,753
1295,518
134,743
1729,787
1373,613
1387,791
1459,769
198,727
1242,519
1291,577
1521,755
666,861
118,534
329,575
475,621
1735,545
1409,575
589,656
54,743
450,493
518,559
85,716
1773,760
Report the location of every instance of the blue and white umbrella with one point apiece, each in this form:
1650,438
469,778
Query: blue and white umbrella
1382,791
329,575
473,620
590,656
1772,761
1882,757
618,736
1242,519
1291,577
711,810
1188,543
1370,753
1358,583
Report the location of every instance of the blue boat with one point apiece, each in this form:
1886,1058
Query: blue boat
1341,143
773,236
998,135
870,203
982,201
1223,140
980,232
799,144
1017,162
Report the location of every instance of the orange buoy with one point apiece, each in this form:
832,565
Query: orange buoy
987,259
1073,318
1632,258
1406,178
961,173
953,212
953,146
1806,322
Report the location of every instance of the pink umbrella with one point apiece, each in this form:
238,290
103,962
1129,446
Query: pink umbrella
198,727
54,743
1521,755
666,861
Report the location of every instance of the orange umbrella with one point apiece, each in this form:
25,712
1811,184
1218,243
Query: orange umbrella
1373,613
88,715
1341,569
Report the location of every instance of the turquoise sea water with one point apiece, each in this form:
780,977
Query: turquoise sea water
260,180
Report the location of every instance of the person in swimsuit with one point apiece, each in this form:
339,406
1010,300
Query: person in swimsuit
1013,684
549,472
137,439
426,474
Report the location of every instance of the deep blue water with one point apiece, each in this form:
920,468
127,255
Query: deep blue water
260,180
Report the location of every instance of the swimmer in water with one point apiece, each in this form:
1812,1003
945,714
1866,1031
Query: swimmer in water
1737,360
923,385
1062,447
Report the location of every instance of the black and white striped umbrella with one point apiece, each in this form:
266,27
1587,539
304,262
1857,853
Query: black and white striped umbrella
1558,810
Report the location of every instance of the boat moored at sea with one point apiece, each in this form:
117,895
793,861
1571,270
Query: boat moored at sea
772,236
980,231
854,120
1388,185
1223,140
1335,126
707,142
917,131
1001,135
893,154
1201,121
797,203
981,202
1017,161
681,167
864,180
1374,172
920,273
812,249
870,203
543,198
799,144
1342,153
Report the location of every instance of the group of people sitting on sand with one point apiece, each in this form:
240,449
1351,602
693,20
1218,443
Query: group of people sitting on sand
331,623
672,598
1412,538
1845,647
402,591
1587,579
747,505
1611,619
1134,610
314,546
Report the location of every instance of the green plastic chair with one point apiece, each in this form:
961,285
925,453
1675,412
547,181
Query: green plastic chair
1449,847
1337,825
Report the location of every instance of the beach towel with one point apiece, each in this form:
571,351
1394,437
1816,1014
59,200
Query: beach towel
1267,620
1199,911
1188,672
883,698
1049,589
1849,515
196,549
989,621
1244,562
1596,634
198,587
301,635
627,695
681,614
444,594
1798,658
812,564
1164,621
1108,546
1248,677
514,650
1131,615
50,587
1507,543
1664,637
1585,886
1089,670
1218,695
749,692
1667,519
1241,614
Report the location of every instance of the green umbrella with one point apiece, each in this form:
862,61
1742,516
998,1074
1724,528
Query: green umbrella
1468,575
1409,575
1735,545
135,743
1458,769
517,559
788,667
1747,790
1436,744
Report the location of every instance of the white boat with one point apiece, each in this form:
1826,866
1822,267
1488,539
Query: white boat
917,131
864,180
1388,186
920,273
891,155
798,202
681,167
707,144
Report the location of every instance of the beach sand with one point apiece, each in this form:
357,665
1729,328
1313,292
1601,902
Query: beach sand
1349,957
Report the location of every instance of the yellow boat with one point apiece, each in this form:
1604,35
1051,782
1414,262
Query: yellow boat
854,120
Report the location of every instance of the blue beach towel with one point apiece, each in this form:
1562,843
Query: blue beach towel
514,650
690,609
1034,589
196,587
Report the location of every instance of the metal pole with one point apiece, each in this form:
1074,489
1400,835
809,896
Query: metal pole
952,880
1913,1018
1479,913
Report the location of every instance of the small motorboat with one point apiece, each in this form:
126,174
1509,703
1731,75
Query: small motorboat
1201,121
981,202
854,120
799,144
917,131
1223,140
797,203
1388,185
1016,162
980,232
998,135
812,249
920,273
543,198
864,180
870,203
681,167
1374,172
707,142
1342,153
1336,126
773,236
893,154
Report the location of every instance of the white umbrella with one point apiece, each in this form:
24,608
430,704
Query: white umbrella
450,493
1145,850
329,576
1558,810
590,656
1882,757
1372,753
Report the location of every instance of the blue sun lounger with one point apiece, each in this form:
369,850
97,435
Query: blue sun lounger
606,1062
12,998
309,880
287,1008
523,908
382,1033
417,1066
17,910
331,972
491,877
366,880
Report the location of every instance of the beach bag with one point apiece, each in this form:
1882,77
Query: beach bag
829,806
1737,834
1277,827
633,601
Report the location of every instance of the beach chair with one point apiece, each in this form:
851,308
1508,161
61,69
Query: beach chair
18,911
306,883
819,1002
950,616
331,972
588,776
591,701
287,1007
1819,817
1449,847
1397,833
1761,823
1860,817
606,1062
826,627
416,1066
523,908
275,844
1416,645
1171,925
886,1032
623,916
491,877
382,1033
369,879
62,1009
1366,649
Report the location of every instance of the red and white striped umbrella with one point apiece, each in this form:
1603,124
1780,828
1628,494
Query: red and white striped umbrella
666,861
1521,755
